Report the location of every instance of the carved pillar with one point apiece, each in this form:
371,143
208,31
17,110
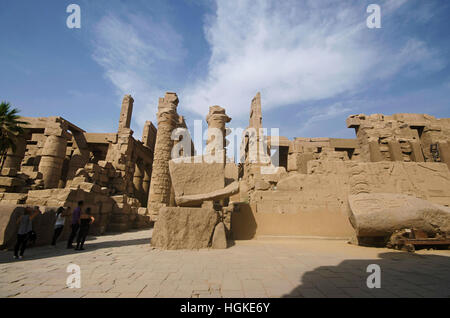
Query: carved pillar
217,120
149,135
146,184
138,179
126,112
160,185
53,153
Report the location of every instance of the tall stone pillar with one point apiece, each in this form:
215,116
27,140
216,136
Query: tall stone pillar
53,153
217,120
160,185
257,143
126,112
149,135
256,113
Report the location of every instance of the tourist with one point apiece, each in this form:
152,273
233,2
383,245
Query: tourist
86,219
75,223
25,231
59,224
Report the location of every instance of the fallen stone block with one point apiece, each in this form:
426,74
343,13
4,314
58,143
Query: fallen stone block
381,214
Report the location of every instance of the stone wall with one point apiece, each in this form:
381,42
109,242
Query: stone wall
316,203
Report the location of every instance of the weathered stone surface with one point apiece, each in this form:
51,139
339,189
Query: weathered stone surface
184,228
219,240
262,185
43,224
380,214
196,178
231,172
197,199
9,182
126,112
161,185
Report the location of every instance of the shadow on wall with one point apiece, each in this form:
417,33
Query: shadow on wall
243,223
402,275
43,225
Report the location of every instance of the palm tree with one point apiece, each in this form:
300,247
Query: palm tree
10,129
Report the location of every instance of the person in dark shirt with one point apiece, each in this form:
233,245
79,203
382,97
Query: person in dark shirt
25,228
75,223
86,219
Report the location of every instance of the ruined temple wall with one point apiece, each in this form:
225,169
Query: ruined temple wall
401,137
316,203
302,150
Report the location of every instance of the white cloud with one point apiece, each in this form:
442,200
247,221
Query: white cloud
295,52
137,54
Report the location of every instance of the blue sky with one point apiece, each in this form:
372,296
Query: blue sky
314,62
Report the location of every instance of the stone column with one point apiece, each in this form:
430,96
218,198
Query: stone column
126,112
138,179
395,151
53,153
146,184
416,151
160,185
14,159
217,120
149,135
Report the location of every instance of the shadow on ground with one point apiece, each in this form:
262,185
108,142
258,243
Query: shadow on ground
39,252
403,275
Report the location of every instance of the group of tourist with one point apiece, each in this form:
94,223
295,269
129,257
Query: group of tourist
81,221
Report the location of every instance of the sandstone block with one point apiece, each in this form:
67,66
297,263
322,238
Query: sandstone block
219,240
380,214
184,228
11,182
196,178
262,185
9,172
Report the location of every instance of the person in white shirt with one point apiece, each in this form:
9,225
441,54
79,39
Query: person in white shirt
59,224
